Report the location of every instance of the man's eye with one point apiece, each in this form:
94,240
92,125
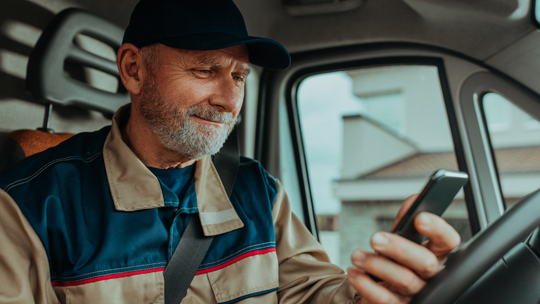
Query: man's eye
238,78
204,71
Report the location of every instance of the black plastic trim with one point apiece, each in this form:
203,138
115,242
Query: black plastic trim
459,150
262,109
299,154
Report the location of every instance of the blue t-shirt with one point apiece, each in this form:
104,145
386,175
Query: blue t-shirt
178,180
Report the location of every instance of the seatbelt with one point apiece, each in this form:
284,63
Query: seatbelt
190,251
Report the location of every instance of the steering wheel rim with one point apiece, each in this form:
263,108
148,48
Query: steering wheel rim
476,257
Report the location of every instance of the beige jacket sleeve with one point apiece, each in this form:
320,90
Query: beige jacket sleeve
305,273
24,267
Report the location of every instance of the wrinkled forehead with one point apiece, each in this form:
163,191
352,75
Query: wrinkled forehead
237,53
236,56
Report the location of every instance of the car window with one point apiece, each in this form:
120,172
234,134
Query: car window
372,136
515,140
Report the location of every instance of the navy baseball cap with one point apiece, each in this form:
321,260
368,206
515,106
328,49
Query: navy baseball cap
200,25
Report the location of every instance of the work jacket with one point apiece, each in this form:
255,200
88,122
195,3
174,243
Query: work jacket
88,222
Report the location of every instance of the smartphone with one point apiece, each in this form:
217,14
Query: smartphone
438,193
436,196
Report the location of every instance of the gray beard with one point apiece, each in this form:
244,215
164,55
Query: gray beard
176,130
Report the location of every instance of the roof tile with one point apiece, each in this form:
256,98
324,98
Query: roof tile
509,160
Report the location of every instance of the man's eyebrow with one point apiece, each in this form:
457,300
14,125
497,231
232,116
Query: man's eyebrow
246,71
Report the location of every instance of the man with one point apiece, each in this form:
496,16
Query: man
97,218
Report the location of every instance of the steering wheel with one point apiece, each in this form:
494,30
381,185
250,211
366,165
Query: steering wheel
481,252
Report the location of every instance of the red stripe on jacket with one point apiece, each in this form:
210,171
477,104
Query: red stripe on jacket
243,256
108,277
132,273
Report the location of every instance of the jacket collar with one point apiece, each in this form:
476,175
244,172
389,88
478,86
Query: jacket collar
134,187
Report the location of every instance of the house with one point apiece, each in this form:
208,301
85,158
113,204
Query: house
389,151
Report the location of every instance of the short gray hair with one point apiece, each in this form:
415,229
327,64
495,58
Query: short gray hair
150,56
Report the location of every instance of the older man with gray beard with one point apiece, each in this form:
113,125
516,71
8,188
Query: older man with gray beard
97,218
171,123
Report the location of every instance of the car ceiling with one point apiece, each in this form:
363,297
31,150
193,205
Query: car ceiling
480,29
500,33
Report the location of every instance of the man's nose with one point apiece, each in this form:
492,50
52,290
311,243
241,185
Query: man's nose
228,95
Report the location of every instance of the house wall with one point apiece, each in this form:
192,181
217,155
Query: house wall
519,132
370,204
367,147
426,124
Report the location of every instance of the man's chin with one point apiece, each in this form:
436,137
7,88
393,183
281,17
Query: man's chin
210,130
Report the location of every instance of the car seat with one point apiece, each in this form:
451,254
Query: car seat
48,82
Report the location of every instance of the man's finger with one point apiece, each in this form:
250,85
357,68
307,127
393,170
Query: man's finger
404,208
411,255
443,238
372,292
400,278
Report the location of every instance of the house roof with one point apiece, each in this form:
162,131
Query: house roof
509,160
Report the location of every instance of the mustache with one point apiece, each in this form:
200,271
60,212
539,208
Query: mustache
210,114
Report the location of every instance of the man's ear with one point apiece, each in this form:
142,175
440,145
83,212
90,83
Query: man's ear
131,67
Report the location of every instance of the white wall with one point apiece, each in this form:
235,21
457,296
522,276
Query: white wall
519,133
367,147
426,124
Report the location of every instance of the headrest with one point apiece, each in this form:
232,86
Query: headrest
46,79
33,141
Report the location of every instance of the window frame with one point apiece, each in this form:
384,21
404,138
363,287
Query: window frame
486,172
288,83
535,6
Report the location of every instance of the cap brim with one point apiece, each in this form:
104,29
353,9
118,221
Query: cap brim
263,52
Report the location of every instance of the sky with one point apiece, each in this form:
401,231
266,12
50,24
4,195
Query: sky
322,101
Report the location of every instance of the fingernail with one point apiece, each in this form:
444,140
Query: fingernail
352,272
425,219
378,239
358,256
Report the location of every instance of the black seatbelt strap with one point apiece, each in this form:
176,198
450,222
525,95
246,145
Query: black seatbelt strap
185,261
190,251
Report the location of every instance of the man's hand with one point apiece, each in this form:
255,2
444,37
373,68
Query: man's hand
402,265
